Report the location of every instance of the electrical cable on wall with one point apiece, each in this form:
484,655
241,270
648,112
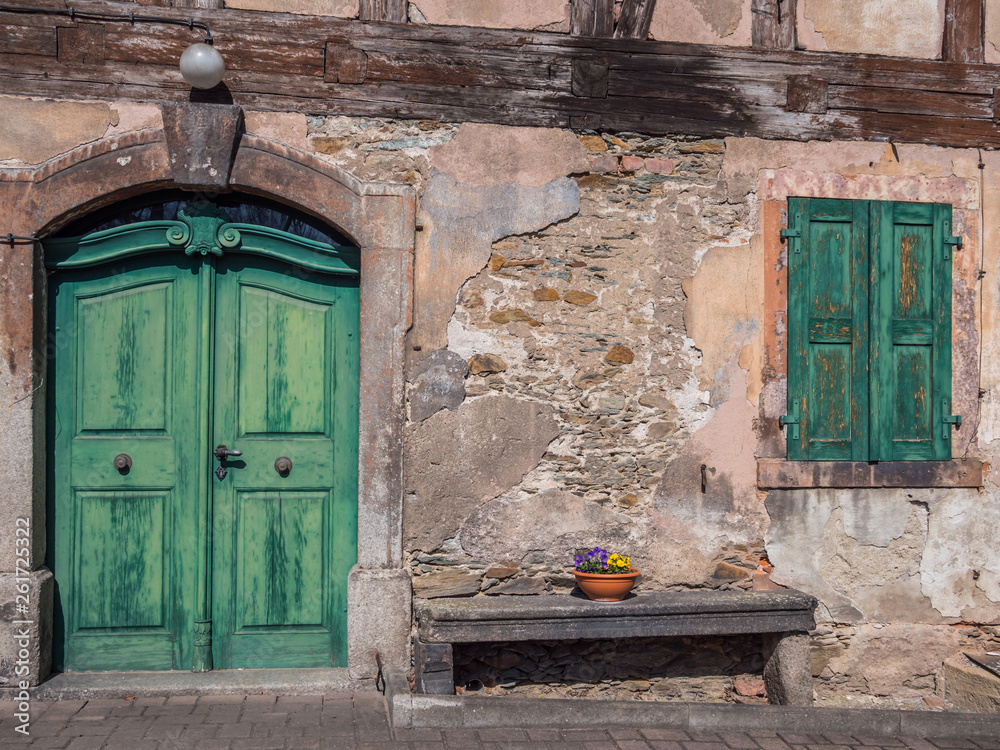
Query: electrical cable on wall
73,14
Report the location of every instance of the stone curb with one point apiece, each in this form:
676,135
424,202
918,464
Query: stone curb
408,710
110,685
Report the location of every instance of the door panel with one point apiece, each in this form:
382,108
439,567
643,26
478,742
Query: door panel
286,374
284,357
280,560
125,536
124,359
123,367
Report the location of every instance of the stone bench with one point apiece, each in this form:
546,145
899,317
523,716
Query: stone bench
784,617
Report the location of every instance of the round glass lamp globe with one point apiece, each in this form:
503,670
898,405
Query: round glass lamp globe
202,66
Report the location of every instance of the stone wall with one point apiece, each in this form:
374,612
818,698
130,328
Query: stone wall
597,357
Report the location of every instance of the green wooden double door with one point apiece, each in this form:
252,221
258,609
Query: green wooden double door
165,555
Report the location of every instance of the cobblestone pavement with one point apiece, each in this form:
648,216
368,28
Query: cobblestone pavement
359,722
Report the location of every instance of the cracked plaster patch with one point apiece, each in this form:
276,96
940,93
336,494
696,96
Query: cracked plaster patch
915,175
284,127
33,131
495,154
993,32
703,22
129,117
960,569
554,522
336,8
457,460
461,223
723,314
864,552
728,508
779,184
902,28
875,663
551,15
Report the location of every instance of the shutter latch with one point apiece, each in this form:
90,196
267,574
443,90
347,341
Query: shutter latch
789,233
792,420
948,419
956,241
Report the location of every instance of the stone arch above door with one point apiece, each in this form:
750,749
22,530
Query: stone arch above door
378,217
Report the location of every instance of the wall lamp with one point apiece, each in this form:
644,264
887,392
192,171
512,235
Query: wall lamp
201,64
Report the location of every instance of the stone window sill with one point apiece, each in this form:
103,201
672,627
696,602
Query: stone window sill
777,473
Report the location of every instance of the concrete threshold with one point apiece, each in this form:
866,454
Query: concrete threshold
99,685
443,711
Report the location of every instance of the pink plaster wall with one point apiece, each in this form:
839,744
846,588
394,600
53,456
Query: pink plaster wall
552,15
900,28
703,22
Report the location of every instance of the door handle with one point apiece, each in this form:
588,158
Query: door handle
221,454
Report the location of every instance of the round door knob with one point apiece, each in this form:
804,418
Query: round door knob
283,465
123,462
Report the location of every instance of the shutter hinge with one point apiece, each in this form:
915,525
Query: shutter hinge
792,420
948,419
788,233
956,241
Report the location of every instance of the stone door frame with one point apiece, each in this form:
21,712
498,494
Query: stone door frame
379,218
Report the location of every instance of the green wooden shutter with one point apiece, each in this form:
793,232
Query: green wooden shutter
911,332
828,329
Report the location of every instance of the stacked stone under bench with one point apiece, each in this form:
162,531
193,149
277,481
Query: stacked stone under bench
785,616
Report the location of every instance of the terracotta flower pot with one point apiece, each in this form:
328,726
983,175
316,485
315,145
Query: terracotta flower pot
606,587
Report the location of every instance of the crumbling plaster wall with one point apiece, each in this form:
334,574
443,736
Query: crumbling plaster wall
596,318
647,328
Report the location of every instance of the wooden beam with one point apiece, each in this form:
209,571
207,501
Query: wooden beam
343,64
636,16
593,18
773,24
964,29
590,79
83,44
319,65
807,94
390,11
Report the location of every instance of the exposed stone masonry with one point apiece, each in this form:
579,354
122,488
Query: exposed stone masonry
586,315
670,669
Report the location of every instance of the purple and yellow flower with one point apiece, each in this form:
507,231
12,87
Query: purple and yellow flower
602,561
